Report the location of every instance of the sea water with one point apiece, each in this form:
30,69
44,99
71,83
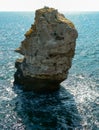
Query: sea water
76,105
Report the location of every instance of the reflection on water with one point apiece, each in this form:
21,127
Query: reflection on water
46,112
74,107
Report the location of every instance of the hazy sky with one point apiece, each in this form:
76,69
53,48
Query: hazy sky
62,5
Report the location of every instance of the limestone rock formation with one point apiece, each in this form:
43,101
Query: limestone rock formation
48,49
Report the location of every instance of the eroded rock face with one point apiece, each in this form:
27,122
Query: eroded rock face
48,49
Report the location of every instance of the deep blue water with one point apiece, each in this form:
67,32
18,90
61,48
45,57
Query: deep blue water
76,105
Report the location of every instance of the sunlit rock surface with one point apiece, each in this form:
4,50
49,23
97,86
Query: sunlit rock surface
48,49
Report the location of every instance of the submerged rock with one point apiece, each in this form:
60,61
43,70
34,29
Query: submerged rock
48,49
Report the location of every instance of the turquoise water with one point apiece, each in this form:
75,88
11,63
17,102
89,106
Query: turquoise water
76,105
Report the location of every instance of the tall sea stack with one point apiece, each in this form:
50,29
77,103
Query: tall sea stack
48,49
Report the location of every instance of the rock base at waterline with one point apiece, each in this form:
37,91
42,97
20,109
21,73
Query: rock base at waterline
36,85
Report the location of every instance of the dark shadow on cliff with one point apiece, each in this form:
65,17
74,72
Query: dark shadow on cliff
55,111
